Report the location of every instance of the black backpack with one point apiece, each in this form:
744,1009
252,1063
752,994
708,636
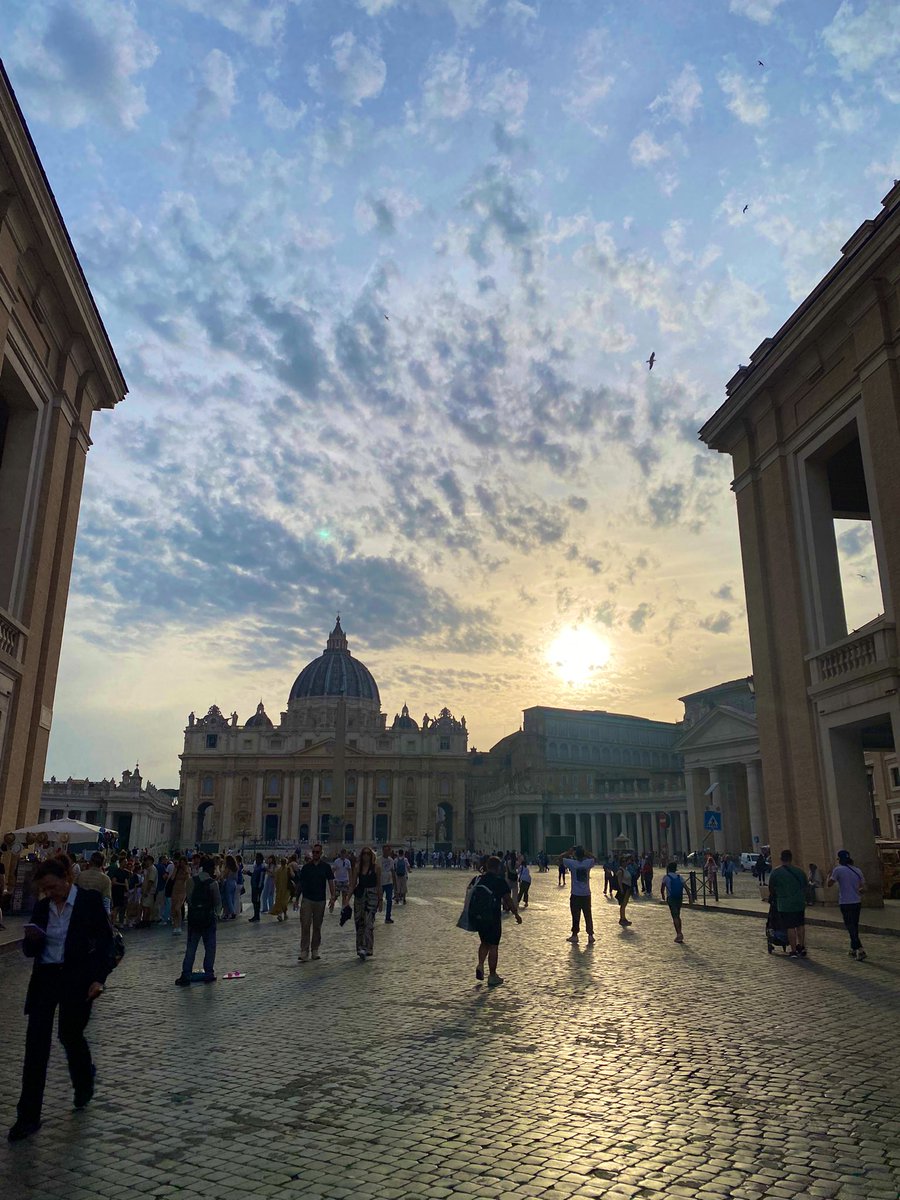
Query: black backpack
201,912
482,903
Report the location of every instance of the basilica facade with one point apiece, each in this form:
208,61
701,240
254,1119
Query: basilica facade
331,769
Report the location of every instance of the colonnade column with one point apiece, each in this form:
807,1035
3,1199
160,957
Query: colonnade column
716,799
257,808
314,810
295,808
754,804
359,808
696,802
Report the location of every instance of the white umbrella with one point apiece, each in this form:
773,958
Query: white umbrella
78,831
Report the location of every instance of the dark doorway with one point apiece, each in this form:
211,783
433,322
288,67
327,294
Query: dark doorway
270,827
201,820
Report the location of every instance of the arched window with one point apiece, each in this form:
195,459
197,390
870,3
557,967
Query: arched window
551,750
245,785
306,786
208,786
304,833
410,786
326,785
350,786
563,750
273,785
383,785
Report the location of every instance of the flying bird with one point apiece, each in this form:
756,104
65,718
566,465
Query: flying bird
386,317
760,61
861,576
744,209
651,360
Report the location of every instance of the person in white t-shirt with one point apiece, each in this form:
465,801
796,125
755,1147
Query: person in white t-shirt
851,883
341,868
579,864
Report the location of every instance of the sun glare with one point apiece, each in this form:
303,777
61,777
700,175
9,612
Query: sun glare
576,654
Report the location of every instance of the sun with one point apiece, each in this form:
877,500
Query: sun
576,653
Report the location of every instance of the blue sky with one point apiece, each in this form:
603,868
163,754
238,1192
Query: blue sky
383,276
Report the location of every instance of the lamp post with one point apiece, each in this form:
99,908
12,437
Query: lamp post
427,835
244,833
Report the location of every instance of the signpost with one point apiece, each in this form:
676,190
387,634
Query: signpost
712,821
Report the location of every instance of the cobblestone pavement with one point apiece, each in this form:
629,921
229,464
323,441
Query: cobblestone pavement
633,1069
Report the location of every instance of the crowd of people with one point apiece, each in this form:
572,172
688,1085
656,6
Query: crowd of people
82,905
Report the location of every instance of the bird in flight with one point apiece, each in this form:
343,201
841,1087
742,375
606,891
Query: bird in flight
861,576
651,360
386,317
760,61
744,209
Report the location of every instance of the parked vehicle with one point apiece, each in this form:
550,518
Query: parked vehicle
748,860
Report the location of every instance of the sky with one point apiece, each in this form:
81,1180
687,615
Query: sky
383,277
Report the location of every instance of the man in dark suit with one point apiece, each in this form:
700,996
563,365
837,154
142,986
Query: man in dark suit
71,942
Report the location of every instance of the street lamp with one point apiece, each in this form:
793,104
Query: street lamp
243,833
427,835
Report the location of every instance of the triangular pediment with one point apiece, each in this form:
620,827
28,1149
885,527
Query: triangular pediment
720,726
326,746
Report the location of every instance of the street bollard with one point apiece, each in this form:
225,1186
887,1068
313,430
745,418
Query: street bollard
692,886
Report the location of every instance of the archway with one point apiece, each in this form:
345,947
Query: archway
202,810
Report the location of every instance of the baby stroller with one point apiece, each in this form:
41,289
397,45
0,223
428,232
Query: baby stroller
774,935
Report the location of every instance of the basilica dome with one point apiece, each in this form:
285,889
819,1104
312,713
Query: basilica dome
336,673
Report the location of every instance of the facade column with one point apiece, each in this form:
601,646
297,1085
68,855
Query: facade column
314,808
654,832
685,832
257,809
610,841
716,799
359,807
754,804
539,831
295,808
394,821
696,802
639,829
227,813
284,825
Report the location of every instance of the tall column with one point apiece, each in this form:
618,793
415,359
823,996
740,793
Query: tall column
359,807
227,813
754,804
258,807
654,831
685,832
716,799
293,834
314,808
610,840
394,823
639,830
696,802
284,824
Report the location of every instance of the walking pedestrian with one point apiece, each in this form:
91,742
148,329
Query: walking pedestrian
672,892
623,883
728,871
257,884
524,882
312,880
118,878
180,878
401,874
229,889
647,875
282,900
851,883
579,864
388,882
268,895
71,941
203,904
365,883
341,867
787,884
490,896
562,873
149,885
711,871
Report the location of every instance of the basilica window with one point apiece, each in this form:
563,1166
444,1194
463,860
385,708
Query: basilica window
207,787
383,785
273,785
445,743
245,786
445,786
350,786
326,785
212,740
410,786
306,785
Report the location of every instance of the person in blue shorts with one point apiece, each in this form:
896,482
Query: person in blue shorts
672,892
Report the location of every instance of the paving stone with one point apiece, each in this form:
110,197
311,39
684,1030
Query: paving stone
639,1070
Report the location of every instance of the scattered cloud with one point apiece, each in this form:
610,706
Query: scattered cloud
745,97
357,72
761,11
681,101
81,61
641,615
591,81
261,22
278,115
865,38
720,622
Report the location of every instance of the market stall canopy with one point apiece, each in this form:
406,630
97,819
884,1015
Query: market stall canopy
77,830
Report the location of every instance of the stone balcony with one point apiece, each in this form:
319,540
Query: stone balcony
13,638
865,657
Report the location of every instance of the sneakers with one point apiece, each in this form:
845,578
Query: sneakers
361,955
183,981
252,919
209,978
679,938
591,939
316,957
479,972
852,954
860,956
494,980
22,1130
388,920
573,939
303,957
623,921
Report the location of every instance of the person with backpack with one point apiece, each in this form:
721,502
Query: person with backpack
671,891
851,882
401,872
203,903
787,884
491,894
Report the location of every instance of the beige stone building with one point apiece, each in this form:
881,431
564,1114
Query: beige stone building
574,775
813,426
722,768
884,789
144,816
275,783
57,368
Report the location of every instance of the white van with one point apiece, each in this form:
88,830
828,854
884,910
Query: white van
748,861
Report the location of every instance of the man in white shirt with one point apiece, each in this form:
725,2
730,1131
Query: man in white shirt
341,868
579,864
388,882
851,883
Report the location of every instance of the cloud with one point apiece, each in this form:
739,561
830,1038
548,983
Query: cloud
746,98
259,21
645,150
218,84
682,100
761,11
277,115
720,622
725,592
358,72
641,615
861,40
446,89
591,81
78,61
385,210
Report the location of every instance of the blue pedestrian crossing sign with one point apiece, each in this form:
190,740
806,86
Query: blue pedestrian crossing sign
712,820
